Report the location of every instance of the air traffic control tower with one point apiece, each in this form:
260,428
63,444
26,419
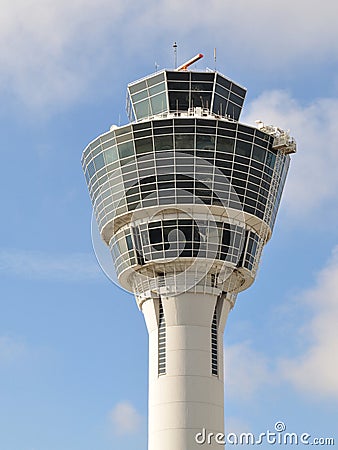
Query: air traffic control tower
186,197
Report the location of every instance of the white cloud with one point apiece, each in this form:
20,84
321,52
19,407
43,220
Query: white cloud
125,419
315,371
312,182
272,33
41,266
245,371
51,51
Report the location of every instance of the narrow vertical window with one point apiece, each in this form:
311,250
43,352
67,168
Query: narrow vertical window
161,341
214,343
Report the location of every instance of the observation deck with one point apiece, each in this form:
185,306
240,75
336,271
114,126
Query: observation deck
185,186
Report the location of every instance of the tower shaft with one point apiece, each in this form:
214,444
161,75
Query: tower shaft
186,382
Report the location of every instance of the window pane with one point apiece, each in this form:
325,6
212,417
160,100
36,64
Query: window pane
110,155
225,145
158,103
258,154
270,159
99,161
143,145
140,96
200,99
156,89
178,101
142,109
163,142
243,149
184,141
155,79
126,149
205,142
137,87
91,169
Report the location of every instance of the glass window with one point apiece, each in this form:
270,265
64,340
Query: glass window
144,145
206,130
91,169
243,149
220,105
178,86
99,161
243,161
234,98
258,154
238,90
200,99
223,81
137,87
233,111
270,159
126,149
173,75
110,155
108,143
196,86
141,126
240,175
225,145
222,91
185,129
202,76
163,142
129,242
142,109
205,142
155,236
155,79
183,141
87,176
246,129
262,143
179,100
158,103
140,96
156,89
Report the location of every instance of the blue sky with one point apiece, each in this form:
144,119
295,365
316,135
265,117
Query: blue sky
73,346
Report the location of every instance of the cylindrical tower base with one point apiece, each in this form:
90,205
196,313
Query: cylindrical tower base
186,384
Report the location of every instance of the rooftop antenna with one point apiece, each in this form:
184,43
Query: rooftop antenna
175,54
215,57
157,66
188,63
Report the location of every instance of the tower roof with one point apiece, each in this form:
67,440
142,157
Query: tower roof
172,91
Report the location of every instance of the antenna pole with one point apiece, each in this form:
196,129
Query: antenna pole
215,57
175,54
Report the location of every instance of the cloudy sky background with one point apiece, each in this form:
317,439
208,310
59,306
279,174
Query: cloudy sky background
73,347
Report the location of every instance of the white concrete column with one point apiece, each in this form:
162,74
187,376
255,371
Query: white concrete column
187,398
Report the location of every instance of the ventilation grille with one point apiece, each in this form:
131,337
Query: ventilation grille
161,341
214,344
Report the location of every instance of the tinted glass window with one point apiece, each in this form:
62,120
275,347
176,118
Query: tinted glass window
178,101
258,154
163,142
143,145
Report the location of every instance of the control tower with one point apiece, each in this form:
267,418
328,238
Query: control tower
186,197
